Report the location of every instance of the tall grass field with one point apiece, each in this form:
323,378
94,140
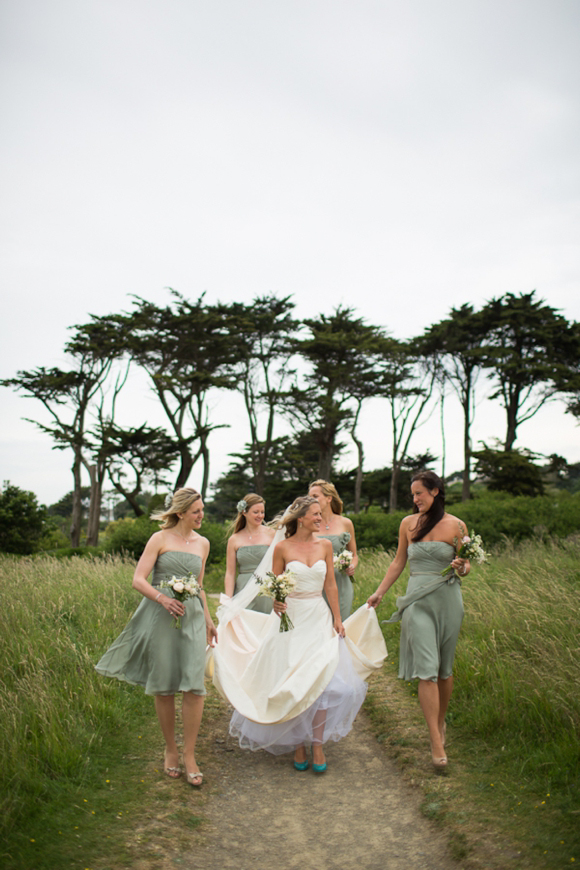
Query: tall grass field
515,709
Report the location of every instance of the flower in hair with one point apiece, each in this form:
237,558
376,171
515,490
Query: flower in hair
242,506
168,500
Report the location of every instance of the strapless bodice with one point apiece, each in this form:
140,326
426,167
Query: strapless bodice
175,563
429,557
309,579
249,557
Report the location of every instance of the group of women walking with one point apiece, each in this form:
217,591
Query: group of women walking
296,690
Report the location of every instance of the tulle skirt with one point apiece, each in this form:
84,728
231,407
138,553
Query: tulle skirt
330,717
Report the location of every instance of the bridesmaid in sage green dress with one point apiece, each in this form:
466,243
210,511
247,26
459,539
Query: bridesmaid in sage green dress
151,652
431,611
247,546
340,532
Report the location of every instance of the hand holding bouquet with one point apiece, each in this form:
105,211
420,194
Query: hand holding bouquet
471,548
342,561
183,588
277,588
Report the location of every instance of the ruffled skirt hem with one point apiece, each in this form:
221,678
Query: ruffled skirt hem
330,717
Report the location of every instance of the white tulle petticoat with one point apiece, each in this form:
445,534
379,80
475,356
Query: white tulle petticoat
330,717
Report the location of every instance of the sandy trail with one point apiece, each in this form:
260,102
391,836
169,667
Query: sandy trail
262,814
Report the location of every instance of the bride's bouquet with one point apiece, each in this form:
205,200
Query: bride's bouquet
183,589
342,561
471,548
277,588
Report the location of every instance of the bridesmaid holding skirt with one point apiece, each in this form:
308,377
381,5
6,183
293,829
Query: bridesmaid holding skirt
248,543
151,651
431,611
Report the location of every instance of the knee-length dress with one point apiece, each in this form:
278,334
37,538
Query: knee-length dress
300,686
431,613
247,559
343,581
150,651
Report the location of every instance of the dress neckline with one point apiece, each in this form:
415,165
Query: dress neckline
298,562
251,546
446,543
181,552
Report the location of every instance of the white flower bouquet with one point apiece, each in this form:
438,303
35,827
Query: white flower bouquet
183,589
342,561
471,548
277,588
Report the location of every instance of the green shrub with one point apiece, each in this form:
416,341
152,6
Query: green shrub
377,529
130,535
494,515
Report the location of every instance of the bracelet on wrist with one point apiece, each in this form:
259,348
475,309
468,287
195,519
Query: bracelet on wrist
158,596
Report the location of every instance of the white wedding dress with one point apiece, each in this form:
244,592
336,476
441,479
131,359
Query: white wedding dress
300,686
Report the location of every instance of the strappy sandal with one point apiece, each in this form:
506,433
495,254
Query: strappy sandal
439,763
197,774
172,772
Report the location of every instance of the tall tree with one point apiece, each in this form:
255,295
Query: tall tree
341,349
456,343
407,382
135,456
66,395
186,350
532,352
261,335
96,341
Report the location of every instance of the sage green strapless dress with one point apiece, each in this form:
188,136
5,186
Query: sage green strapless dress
343,581
248,558
430,625
150,651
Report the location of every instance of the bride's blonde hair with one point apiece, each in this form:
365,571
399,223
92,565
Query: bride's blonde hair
297,509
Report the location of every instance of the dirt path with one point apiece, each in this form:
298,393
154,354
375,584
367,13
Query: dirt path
263,815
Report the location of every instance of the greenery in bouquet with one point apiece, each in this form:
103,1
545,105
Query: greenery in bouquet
342,561
471,548
278,587
183,589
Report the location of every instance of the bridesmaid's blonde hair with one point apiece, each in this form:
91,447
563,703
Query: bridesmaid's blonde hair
329,490
297,509
181,500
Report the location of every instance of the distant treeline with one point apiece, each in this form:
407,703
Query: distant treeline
317,373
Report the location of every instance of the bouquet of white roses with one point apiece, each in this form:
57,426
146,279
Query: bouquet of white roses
471,548
342,561
183,588
277,588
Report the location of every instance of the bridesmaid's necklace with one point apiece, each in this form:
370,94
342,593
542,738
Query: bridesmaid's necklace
190,541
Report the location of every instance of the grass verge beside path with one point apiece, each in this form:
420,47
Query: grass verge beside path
80,782
514,719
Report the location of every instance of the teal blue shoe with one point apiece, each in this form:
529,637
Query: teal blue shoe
302,765
319,768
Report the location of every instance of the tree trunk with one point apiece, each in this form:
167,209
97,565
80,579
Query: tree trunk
205,478
511,431
442,425
94,507
77,505
394,487
359,475
466,483
185,468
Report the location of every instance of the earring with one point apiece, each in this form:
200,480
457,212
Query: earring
300,524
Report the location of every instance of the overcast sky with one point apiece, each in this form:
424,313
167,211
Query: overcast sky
396,156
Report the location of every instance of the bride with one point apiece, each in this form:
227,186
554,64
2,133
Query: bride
303,686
